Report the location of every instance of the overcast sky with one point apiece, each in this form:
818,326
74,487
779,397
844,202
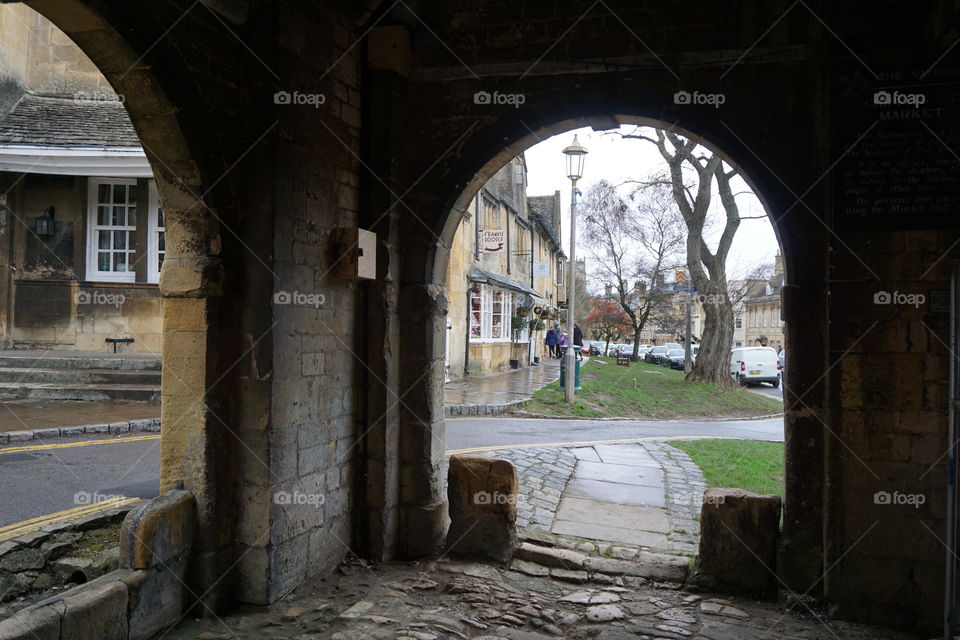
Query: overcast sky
615,160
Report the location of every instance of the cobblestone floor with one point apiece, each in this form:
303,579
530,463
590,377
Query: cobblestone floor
449,600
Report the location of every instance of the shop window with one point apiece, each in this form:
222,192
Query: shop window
490,314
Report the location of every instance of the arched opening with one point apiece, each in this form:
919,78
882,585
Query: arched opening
803,466
503,276
107,185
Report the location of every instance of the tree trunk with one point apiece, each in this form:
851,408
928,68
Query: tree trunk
713,360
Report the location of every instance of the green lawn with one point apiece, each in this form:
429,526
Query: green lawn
738,464
647,391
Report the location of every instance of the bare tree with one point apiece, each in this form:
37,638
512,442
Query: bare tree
633,247
707,269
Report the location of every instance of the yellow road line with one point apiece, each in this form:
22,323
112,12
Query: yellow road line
83,443
12,531
554,445
74,510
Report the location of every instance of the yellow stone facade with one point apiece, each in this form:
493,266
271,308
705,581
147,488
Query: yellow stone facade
505,260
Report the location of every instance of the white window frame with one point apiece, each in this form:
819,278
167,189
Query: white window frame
486,315
559,268
153,231
93,273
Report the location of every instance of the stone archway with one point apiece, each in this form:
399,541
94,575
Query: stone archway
555,113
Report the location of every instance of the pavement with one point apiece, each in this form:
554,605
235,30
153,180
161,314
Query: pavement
28,415
499,391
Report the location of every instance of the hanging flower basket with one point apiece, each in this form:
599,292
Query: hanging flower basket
537,325
518,323
522,312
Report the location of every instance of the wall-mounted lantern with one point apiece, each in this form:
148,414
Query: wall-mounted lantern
43,226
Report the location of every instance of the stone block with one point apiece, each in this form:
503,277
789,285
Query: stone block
97,609
155,598
158,532
550,557
19,436
41,622
482,494
118,427
739,532
141,424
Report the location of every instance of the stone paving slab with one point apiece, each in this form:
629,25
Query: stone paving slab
617,493
619,516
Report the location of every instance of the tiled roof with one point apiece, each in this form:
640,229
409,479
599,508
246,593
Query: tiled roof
65,122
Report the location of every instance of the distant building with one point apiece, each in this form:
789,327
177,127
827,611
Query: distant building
81,228
762,314
506,269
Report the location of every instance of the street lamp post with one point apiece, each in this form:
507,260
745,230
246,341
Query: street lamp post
576,155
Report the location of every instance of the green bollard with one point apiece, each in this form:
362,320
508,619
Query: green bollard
563,370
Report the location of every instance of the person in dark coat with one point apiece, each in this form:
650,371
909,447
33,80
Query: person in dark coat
578,339
551,342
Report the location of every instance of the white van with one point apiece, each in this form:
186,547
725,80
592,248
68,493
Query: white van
750,365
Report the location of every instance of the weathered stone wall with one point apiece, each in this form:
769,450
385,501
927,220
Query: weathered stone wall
36,55
888,409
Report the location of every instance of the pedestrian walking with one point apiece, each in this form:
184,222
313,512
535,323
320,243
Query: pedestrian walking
578,340
551,342
562,344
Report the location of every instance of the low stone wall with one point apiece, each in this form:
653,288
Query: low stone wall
146,594
59,555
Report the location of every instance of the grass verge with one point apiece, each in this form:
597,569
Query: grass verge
647,391
751,465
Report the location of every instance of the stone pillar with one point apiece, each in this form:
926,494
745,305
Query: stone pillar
378,521
800,563
423,517
194,450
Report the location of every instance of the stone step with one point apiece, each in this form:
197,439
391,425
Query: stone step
49,359
104,393
16,375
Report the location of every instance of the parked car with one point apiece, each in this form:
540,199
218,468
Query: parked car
655,355
751,365
673,359
621,348
673,345
596,348
782,360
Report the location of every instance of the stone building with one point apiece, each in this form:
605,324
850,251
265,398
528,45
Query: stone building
390,133
82,232
505,270
763,324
